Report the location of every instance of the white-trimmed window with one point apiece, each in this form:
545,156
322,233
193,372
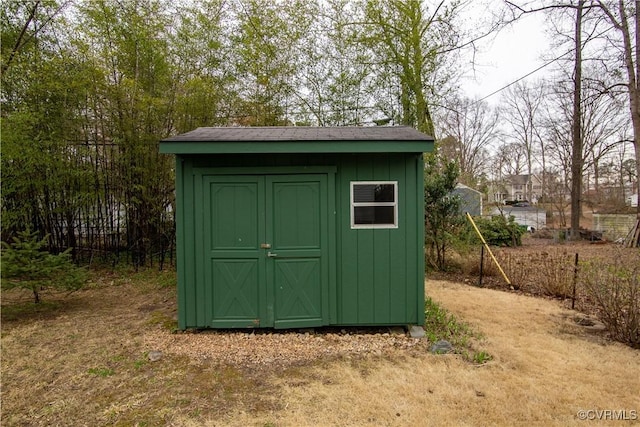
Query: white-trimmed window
374,204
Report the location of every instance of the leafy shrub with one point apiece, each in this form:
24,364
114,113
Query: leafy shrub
615,289
441,209
26,265
497,231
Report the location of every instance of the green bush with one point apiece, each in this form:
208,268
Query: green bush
442,218
497,231
26,265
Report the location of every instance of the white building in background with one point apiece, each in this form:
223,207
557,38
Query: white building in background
632,200
527,216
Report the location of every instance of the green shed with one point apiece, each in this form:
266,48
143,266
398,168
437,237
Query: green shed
293,227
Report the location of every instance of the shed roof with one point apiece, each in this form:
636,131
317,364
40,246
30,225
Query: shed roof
298,139
461,186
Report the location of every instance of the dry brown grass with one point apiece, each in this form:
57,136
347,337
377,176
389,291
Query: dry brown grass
604,282
545,369
83,362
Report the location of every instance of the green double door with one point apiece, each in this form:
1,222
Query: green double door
265,250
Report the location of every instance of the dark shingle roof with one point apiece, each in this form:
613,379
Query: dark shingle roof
301,133
519,179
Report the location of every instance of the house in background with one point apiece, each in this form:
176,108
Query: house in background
497,193
516,188
470,199
632,200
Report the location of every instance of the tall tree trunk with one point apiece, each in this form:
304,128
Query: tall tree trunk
632,54
635,113
543,183
596,178
576,156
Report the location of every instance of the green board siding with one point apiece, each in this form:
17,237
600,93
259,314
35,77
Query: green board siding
324,272
380,280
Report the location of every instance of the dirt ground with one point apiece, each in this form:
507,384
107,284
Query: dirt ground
84,362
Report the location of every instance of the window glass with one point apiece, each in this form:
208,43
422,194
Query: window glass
374,214
374,204
373,193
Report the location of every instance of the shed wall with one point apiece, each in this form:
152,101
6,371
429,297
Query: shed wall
378,277
380,271
613,226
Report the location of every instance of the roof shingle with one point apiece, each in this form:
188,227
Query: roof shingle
301,133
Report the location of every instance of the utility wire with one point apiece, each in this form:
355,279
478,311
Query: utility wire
546,64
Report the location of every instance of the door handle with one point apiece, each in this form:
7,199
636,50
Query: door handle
271,254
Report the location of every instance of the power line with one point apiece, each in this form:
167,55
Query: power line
527,75
543,65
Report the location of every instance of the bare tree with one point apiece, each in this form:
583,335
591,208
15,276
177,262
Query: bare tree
576,152
559,143
509,159
625,18
576,130
520,108
603,129
468,129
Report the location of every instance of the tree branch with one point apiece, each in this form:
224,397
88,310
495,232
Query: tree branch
18,44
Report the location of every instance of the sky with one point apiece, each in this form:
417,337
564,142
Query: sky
515,52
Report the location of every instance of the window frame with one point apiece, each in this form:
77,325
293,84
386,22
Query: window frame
394,204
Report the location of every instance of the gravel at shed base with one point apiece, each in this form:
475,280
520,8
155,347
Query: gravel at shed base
278,348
